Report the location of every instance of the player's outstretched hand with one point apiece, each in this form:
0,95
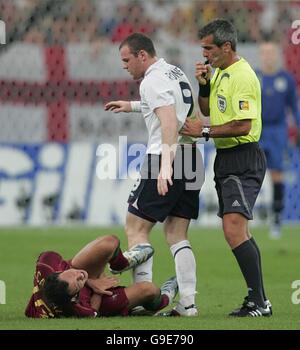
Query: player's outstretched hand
101,284
118,106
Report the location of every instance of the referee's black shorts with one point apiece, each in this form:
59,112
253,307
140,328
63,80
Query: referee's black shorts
182,198
239,174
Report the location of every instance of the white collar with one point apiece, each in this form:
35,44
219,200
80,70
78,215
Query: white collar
156,64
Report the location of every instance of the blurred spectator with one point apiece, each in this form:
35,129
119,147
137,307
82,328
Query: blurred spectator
178,27
9,14
160,11
35,36
133,19
278,98
89,20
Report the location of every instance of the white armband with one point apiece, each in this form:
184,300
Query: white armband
135,106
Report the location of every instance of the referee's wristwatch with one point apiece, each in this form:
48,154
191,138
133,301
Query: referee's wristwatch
206,132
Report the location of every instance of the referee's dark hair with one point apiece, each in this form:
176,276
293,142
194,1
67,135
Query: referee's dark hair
137,42
222,30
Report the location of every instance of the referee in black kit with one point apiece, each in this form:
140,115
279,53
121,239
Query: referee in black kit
232,99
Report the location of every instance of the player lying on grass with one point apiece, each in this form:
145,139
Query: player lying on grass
79,287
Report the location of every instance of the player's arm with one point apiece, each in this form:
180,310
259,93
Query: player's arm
95,301
292,101
169,133
203,75
123,106
102,284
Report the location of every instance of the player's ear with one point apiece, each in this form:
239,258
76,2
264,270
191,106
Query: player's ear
143,54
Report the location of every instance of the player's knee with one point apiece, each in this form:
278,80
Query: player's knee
149,290
170,225
111,241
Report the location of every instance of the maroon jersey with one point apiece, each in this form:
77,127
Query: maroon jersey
47,263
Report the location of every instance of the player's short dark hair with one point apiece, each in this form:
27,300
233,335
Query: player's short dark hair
137,42
56,293
222,30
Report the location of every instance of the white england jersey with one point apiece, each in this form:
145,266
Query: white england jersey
164,85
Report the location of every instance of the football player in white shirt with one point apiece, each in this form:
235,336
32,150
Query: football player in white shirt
162,195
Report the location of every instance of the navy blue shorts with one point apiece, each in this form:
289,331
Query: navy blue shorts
274,141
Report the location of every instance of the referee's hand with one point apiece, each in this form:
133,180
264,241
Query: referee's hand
203,73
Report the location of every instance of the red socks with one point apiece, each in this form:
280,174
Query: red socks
118,261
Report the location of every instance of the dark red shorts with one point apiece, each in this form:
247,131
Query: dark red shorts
116,304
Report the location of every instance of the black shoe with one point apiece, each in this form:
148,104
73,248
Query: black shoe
246,299
268,303
250,309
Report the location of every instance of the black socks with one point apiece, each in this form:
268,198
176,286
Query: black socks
249,261
260,266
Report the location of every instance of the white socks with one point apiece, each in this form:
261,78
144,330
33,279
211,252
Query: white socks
185,266
143,272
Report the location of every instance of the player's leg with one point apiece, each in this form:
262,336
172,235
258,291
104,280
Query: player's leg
96,254
146,207
185,264
141,216
142,293
126,299
176,226
275,158
137,230
278,203
152,298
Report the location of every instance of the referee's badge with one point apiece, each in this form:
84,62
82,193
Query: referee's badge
244,105
222,103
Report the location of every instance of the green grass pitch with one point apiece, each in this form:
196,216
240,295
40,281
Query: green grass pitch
220,284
